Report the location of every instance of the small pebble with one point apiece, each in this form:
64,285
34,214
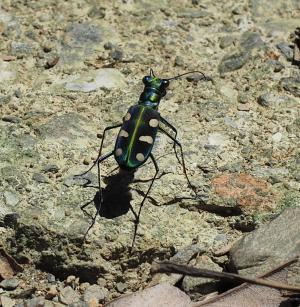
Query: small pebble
265,100
38,177
51,292
121,287
6,301
70,280
274,179
244,107
35,302
47,48
83,286
179,61
50,277
196,78
95,292
233,62
51,62
93,302
226,41
108,46
11,119
4,100
68,296
8,58
85,161
101,282
18,93
277,137
11,219
286,49
11,199
221,238
9,284
243,98
277,66
20,49
116,54
98,12
50,168
291,85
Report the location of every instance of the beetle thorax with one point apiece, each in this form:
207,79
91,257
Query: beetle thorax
150,97
154,90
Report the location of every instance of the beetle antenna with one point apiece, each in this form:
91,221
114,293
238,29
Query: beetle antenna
190,72
152,72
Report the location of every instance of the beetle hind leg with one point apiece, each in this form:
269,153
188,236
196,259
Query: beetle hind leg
137,216
100,199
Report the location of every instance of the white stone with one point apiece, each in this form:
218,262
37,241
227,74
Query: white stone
5,73
277,137
102,78
217,139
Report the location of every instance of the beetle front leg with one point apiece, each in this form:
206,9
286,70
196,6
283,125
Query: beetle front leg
100,150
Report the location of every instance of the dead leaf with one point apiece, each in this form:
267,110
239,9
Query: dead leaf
8,265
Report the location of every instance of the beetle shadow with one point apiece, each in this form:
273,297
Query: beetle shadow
202,205
116,196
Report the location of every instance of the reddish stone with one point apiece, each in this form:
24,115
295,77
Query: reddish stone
8,58
246,190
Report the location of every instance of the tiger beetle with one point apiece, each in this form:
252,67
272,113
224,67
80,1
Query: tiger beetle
136,137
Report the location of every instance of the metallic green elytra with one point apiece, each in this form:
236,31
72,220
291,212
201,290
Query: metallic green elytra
140,125
136,137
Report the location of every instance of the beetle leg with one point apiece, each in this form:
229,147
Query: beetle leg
85,205
182,158
137,216
99,160
100,150
164,121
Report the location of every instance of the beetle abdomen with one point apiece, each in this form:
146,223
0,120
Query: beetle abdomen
136,137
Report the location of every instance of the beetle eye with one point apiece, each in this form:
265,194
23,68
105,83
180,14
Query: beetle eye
147,79
165,82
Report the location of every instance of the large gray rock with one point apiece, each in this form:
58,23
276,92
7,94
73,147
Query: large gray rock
162,295
268,246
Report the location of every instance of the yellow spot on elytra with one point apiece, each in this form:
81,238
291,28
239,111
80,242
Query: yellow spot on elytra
140,157
124,133
118,152
127,116
146,138
153,122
